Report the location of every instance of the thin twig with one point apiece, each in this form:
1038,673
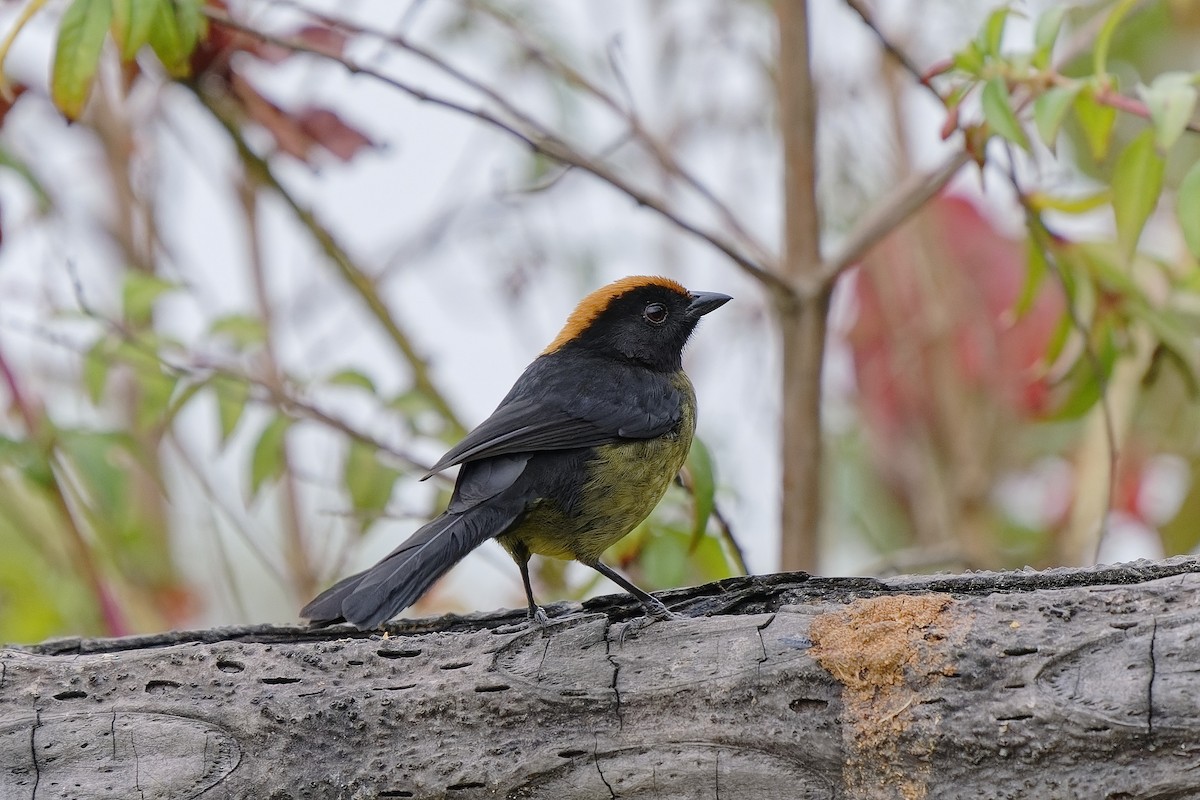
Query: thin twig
552,180
1121,102
363,284
901,58
904,201
217,501
295,549
637,132
201,371
908,198
537,140
666,160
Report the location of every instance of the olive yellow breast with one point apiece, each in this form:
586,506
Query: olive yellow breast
623,484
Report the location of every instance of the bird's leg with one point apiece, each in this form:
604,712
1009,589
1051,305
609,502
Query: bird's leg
536,612
653,606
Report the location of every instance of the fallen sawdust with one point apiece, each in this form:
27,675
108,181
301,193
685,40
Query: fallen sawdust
888,653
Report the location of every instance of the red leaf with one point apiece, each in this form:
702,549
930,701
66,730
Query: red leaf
298,133
283,128
6,104
214,52
331,132
322,38
935,323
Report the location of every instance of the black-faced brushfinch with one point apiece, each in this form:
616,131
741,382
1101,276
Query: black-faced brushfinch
579,452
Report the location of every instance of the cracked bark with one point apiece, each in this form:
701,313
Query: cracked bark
33,756
1071,683
1153,672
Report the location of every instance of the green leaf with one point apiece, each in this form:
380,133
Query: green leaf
1137,183
1174,334
663,557
97,461
352,377
97,362
131,23
77,54
991,35
1096,120
969,60
1035,274
1084,393
1187,208
1058,338
155,390
7,159
186,390
1046,34
1085,384
30,459
1081,204
368,480
1109,273
269,460
137,354
177,26
1105,37
1171,99
703,484
242,329
140,292
232,396
1049,111
421,416
999,114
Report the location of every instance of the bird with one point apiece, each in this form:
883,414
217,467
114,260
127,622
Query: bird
577,454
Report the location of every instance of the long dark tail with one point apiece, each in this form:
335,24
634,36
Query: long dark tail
375,595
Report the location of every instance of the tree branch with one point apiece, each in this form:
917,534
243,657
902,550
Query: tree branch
363,284
802,324
669,164
530,133
908,198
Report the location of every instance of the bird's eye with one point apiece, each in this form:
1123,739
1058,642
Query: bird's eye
655,313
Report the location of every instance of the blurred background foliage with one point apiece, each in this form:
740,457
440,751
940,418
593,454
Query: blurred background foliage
218,392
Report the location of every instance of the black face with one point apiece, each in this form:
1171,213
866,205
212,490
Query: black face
650,325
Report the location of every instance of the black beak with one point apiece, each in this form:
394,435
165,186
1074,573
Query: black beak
704,302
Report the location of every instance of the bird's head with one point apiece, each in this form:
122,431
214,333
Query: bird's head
640,318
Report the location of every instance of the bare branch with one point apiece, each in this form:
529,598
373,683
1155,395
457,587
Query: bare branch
904,200
666,160
529,132
364,285
901,58
913,193
295,546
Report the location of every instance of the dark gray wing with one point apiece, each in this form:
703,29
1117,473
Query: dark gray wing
592,403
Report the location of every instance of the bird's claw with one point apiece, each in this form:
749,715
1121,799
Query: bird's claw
659,613
536,618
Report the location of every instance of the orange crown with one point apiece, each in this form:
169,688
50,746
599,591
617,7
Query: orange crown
594,304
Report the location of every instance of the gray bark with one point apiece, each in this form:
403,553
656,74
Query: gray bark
1061,684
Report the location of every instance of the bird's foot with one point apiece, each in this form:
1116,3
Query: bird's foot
657,611
536,618
654,613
